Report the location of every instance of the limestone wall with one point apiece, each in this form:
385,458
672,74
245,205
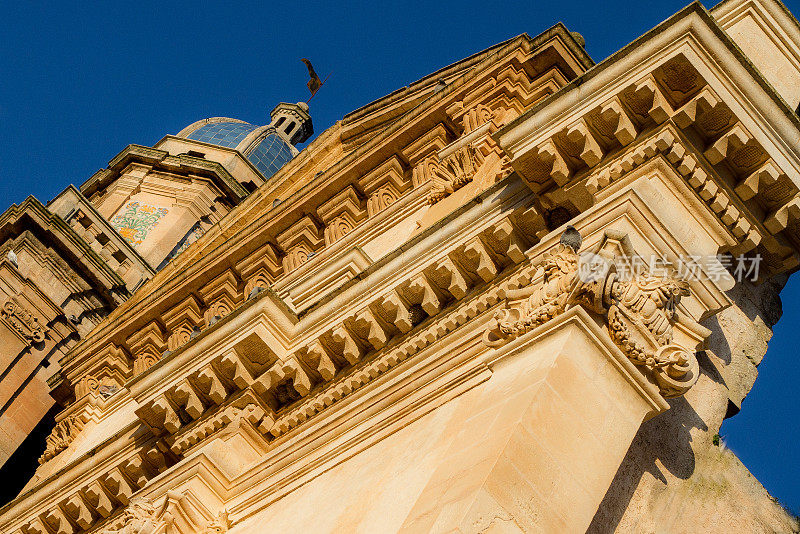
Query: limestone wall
674,478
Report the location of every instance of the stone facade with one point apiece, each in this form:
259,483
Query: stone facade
459,309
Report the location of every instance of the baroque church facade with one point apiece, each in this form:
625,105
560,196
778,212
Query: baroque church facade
518,295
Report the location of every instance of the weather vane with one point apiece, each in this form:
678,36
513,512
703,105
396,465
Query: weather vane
314,83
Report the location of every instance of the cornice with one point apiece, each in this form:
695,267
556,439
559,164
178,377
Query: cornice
50,223
459,323
557,30
162,160
108,230
308,190
740,194
693,23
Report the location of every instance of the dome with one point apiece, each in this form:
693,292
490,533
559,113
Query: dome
227,134
267,147
270,152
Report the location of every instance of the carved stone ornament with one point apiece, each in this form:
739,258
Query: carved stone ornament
640,312
22,321
453,172
177,514
220,525
139,517
60,438
105,387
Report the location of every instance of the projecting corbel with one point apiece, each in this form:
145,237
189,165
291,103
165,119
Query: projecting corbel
79,510
702,103
426,293
614,114
731,140
649,91
511,241
480,261
186,397
549,153
210,385
398,311
765,175
452,277
351,350
375,331
318,357
591,152
780,219
233,369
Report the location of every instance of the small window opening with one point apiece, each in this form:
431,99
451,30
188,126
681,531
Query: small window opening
280,121
195,154
290,127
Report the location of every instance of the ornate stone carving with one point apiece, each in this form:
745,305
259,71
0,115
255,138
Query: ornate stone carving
300,242
640,311
561,287
220,525
104,386
453,172
338,228
146,344
382,198
60,438
22,321
640,320
140,517
178,514
341,214
143,362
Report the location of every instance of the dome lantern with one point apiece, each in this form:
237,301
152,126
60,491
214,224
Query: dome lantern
292,122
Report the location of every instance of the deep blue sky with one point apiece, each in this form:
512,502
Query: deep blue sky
80,81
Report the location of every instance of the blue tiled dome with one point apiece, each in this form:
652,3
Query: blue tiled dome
270,153
268,147
227,134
